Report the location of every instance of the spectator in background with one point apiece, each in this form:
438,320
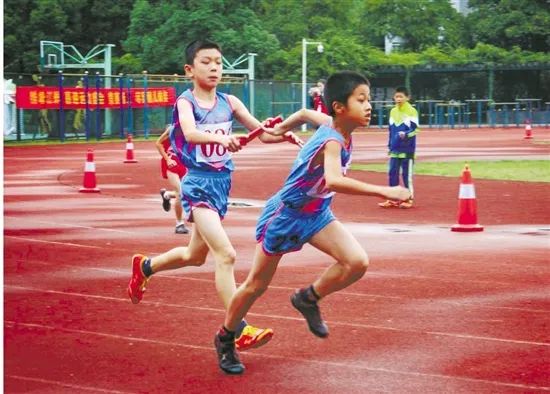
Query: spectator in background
316,97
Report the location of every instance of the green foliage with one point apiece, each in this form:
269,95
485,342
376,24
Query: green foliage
152,34
509,23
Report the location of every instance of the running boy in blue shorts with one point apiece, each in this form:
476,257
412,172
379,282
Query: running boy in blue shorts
202,138
300,213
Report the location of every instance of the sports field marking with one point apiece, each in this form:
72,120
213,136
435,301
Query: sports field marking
69,225
12,324
124,272
331,322
67,385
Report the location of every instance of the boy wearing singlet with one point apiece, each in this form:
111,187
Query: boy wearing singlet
172,170
202,138
300,213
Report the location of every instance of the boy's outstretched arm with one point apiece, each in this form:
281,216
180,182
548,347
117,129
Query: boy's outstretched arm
187,124
298,118
337,182
250,122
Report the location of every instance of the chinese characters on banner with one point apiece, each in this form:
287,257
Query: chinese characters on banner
47,97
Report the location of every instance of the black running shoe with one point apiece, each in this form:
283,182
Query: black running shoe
228,358
310,310
165,201
181,229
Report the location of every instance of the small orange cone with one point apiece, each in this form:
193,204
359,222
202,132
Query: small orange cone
467,210
89,184
130,150
528,132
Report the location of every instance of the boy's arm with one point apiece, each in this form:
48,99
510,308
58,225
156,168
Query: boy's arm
300,117
337,182
160,146
250,122
187,124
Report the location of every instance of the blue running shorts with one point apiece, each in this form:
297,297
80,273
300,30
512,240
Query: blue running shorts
282,230
205,189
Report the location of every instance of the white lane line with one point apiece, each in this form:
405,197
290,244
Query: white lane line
69,225
53,242
121,272
12,324
270,316
67,385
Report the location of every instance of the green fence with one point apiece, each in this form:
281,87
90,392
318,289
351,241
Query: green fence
270,98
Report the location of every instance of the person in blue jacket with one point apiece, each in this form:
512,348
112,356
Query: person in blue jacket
403,129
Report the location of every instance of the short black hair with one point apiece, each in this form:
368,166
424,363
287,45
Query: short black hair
402,89
340,86
197,45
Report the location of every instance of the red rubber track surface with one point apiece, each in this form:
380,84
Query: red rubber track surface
437,311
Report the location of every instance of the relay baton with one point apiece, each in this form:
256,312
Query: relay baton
243,140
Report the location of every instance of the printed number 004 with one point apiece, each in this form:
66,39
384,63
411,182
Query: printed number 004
209,149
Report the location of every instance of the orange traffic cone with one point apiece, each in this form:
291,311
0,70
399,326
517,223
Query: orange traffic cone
528,133
89,184
467,211
130,150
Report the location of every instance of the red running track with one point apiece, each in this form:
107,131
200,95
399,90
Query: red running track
437,311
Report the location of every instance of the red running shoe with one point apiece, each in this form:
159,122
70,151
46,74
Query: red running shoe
253,337
136,287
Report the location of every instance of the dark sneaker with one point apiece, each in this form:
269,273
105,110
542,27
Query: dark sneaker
310,310
228,358
181,229
165,201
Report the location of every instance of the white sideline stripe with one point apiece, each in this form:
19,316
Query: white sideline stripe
89,167
68,385
467,191
345,324
348,293
70,225
53,242
295,359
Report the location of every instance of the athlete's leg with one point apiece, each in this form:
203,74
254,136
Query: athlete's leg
258,280
210,227
254,286
175,182
194,254
351,259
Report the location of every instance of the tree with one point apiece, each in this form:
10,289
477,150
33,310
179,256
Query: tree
80,23
159,34
420,24
509,23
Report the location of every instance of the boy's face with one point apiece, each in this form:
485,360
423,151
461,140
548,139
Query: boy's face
358,108
400,98
206,70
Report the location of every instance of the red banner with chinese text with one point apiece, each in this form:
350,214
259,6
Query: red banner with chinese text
47,97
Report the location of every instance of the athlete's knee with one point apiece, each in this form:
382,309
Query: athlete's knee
194,257
357,265
226,256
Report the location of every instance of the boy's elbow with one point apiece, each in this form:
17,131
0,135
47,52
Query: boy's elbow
333,183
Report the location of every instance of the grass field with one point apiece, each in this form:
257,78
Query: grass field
510,170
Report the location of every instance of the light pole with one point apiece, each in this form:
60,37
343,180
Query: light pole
320,49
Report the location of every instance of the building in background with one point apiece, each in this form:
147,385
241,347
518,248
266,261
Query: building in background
461,6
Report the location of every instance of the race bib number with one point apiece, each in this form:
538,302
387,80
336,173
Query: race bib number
213,154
